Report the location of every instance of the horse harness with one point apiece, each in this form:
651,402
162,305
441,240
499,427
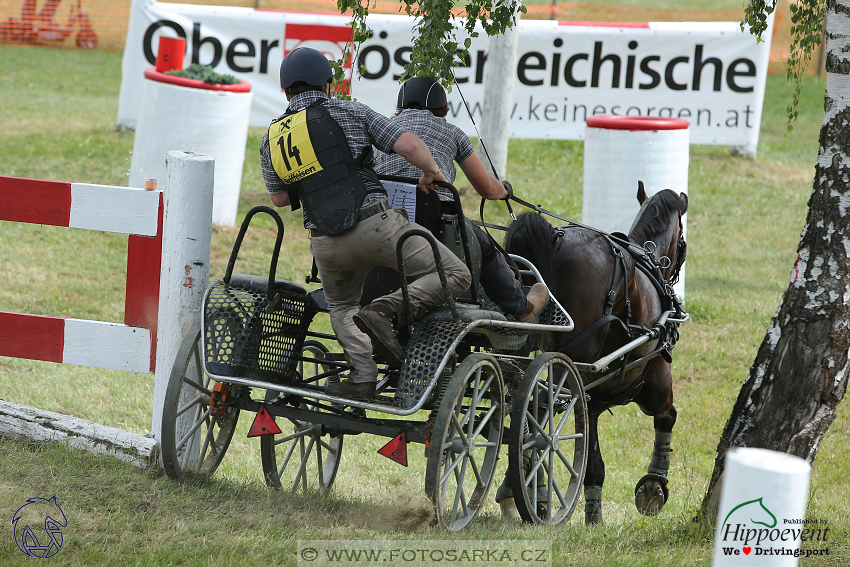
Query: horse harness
646,262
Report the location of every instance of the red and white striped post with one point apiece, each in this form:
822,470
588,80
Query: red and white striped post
167,273
621,150
129,346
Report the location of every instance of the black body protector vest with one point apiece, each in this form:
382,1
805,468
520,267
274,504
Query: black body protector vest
310,153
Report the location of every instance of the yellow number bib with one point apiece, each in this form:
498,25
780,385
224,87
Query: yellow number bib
292,151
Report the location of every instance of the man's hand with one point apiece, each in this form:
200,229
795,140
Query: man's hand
426,182
510,190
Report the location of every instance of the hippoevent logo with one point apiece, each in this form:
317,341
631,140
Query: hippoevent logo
38,527
752,529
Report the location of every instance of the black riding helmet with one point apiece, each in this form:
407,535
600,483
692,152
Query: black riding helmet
306,65
421,92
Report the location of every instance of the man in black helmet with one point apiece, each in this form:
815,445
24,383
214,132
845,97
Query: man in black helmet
319,154
421,109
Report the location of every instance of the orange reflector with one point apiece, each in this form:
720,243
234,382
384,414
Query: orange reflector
263,424
396,450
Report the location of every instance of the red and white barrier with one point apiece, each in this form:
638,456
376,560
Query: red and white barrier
130,346
167,272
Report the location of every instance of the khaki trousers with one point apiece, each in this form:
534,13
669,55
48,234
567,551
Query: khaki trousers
344,261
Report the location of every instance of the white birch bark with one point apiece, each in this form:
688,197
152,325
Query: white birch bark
799,375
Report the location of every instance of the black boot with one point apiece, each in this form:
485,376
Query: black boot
377,321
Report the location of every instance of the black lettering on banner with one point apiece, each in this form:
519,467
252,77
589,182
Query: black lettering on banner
532,110
480,60
598,109
385,61
614,108
232,53
523,65
685,113
466,62
732,120
668,74
147,41
575,112
630,66
198,41
699,116
667,110
647,70
556,69
550,108
732,72
699,63
265,47
629,111
568,70
399,58
598,60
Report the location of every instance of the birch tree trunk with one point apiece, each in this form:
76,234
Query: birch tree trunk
799,375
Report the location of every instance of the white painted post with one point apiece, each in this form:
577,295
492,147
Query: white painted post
621,150
187,232
762,509
499,78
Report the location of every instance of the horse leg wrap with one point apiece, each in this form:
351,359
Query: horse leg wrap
593,505
660,462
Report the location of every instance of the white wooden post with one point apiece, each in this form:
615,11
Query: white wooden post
187,232
761,517
499,78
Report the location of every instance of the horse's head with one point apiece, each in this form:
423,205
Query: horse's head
660,221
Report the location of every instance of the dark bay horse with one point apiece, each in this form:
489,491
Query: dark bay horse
598,282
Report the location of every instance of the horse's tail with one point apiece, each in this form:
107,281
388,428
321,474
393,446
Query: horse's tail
531,237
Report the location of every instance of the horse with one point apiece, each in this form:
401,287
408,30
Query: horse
600,284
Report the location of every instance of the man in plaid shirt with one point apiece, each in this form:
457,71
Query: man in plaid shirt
421,109
345,259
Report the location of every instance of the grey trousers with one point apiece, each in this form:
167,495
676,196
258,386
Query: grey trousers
344,261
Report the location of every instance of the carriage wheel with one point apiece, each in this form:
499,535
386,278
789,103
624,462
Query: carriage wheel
548,440
465,442
194,435
302,457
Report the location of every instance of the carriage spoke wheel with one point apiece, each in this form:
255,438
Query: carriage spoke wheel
465,442
195,434
302,458
548,440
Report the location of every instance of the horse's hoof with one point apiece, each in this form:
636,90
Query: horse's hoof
651,494
508,507
593,517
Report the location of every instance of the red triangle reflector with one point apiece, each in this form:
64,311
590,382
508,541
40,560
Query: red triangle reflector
396,449
263,424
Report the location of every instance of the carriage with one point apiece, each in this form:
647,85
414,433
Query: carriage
468,386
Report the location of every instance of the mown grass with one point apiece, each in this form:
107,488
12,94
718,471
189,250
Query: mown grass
57,117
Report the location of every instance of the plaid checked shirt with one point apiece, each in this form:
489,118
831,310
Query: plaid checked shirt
362,126
446,141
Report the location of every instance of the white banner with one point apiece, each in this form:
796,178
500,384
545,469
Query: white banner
711,74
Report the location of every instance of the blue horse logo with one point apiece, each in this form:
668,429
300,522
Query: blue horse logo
29,515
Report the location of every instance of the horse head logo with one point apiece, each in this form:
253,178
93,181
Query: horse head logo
755,510
43,515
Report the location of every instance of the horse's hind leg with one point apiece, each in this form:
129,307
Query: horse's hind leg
594,477
651,491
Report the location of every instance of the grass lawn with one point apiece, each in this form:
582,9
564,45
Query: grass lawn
57,114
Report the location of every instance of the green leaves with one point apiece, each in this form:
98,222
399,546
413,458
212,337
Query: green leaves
807,18
435,48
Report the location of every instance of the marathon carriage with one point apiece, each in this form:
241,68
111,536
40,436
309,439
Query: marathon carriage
465,388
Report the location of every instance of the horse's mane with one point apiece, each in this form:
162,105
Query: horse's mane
655,219
531,237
